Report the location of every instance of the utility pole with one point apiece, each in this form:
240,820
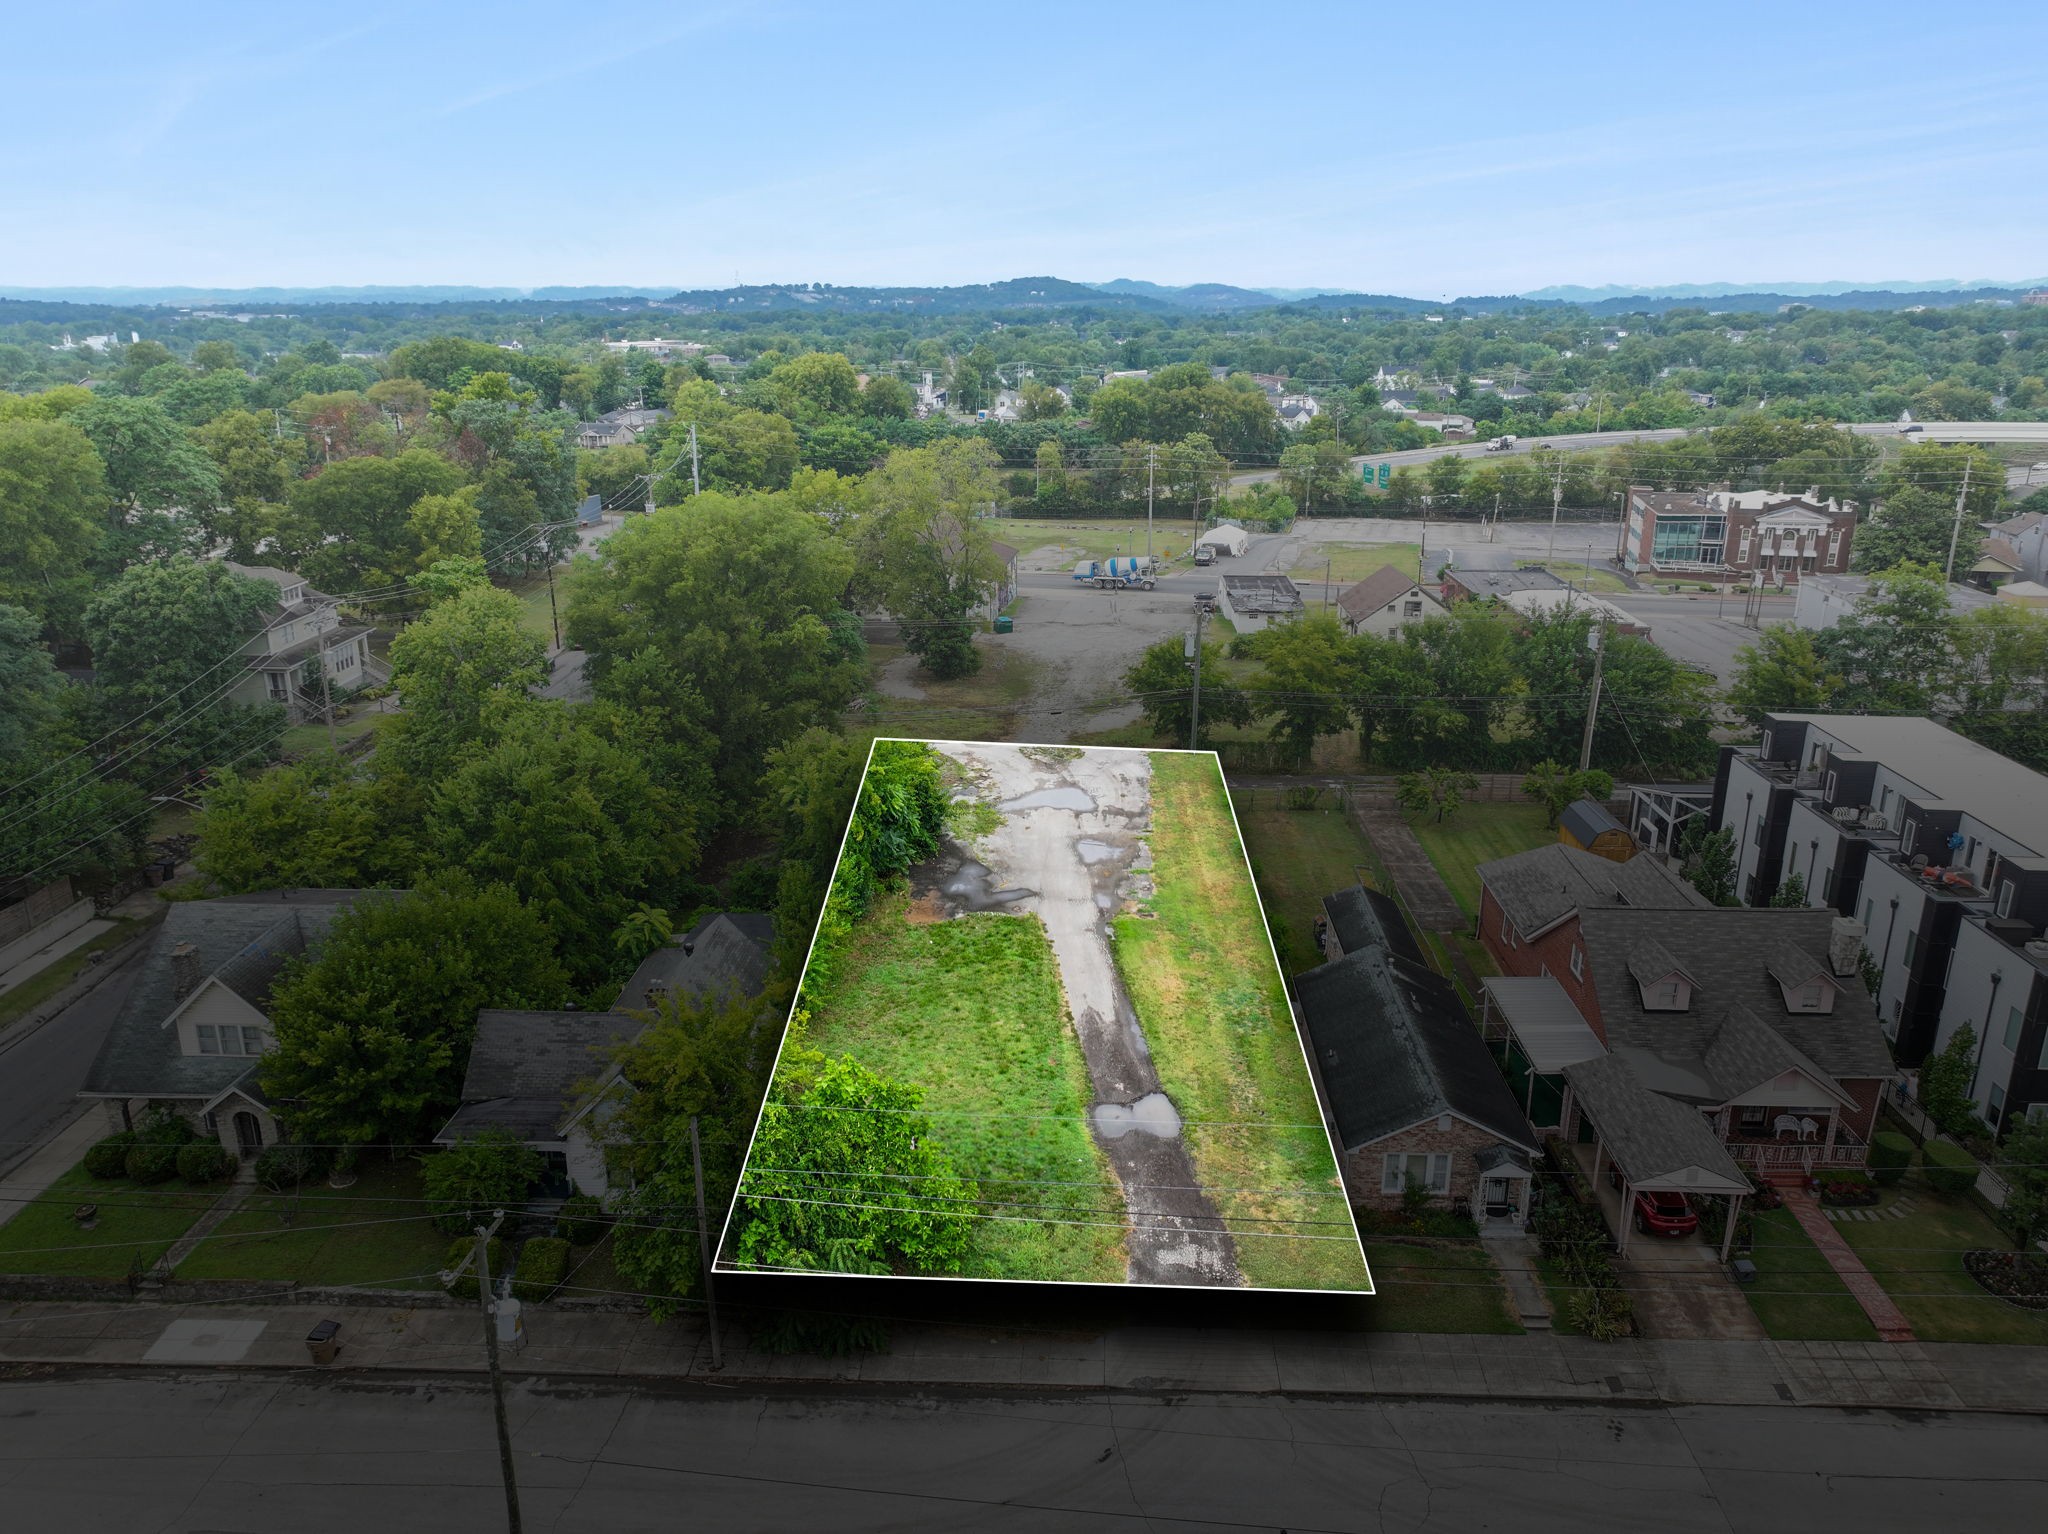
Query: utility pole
1195,708
327,700
553,612
696,488
1556,500
481,1256
704,1243
1327,561
1956,528
1151,462
1598,636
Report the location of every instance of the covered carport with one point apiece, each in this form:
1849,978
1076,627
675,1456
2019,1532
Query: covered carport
1539,1032
1658,1144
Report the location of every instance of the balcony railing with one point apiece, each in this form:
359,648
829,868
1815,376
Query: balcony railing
1806,1155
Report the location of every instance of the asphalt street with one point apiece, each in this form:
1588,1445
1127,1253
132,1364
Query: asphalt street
42,1071
218,1453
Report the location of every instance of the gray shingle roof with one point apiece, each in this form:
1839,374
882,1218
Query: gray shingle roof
1364,918
1542,886
1394,1048
1725,951
1389,583
1651,1137
1586,819
244,941
528,1070
1791,965
727,953
1650,961
1499,583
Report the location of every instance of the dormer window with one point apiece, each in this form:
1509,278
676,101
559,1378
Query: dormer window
1803,979
1812,996
293,596
1671,994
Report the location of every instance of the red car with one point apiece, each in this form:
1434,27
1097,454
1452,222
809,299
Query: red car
1660,1214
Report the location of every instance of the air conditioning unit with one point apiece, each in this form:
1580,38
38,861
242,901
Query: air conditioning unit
1875,822
1845,814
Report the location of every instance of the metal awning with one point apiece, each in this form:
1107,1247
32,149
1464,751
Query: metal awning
1544,1022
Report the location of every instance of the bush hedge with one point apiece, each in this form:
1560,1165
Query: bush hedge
108,1158
203,1161
459,1251
1890,1154
581,1220
148,1163
1950,1169
543,1264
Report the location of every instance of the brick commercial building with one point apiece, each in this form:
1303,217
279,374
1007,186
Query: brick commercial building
1731,535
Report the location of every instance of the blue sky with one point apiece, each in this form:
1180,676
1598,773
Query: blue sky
1427,150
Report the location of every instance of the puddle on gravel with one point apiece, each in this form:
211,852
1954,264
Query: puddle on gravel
1093,852
1051,799
968,888
1153,1114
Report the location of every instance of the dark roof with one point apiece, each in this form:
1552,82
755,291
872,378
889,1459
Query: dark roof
1389,583
1542,886
1650,961
1791,965
1727,951
244,942
1394,1048
1651,1137
1500,583
1587,819
727,953
1362,918
528,1070
1262,593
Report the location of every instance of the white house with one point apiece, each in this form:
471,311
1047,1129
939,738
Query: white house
1297,410
1386,600
303,634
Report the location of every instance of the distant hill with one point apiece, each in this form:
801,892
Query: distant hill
195,298
1568,294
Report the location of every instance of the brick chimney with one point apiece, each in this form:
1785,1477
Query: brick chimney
184,970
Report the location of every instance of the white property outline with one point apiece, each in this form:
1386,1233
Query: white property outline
718,1264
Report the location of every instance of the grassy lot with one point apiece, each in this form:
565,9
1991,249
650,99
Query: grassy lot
135,1222
1441,1288
370,1235
971,1011
984,706
1478,833
1796,1295
305,739
1095,540
47,982
1919,1260
1202,980
534,614
1299,856
1349,563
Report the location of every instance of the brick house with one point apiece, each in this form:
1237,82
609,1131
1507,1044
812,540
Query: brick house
1756,1019
1410,1089
1736,535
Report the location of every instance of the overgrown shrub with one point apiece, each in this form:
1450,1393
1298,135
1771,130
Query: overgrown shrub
282,1168
543,1264
1950,1169
203,1161
471,1180
1605,1315
108,1158
460,1251
581,1220
150,1164
1890,1154
165,1126
828,1336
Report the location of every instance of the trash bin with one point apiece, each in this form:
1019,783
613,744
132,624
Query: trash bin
1745,1270
320,1342
1004,623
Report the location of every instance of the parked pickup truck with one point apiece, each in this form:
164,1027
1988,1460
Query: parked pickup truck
1205,554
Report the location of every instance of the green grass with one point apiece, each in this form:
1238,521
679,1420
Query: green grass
48,981
1202,980
371,1235
1817,1308
1350,563
1098,539
971,1011
1919,1260
1298,857
1573,572
1478,833
1439,1288
983,706
134,1222
305,739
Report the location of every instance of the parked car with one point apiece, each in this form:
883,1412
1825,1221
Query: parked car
1660,1214
1204,554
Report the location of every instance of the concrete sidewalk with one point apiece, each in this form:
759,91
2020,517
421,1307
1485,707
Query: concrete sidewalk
1539,1367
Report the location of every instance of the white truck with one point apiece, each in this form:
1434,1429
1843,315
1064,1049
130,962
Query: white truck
1502,445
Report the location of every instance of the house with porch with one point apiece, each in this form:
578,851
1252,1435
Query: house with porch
303,642
1409,1088
192,1030
550,1078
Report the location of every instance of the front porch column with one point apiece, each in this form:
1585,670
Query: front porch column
1728,1235
1828,1152
1621,1250
1599,1159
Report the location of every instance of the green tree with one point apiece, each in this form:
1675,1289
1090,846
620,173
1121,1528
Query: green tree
925,548
1306,674
2023,1167
748,450
642,930
816,384
158,478
465,663
1555,787
30,686
887,399
1710,866
1434,791
1893,649
322,823
1162,685
896,1201
350,523
373,1035
810,787
1914,527
1791,894
53,499
1780,672
478,1177
741,597
1945,1081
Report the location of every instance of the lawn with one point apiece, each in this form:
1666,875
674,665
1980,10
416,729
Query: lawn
1796,1295
1478,833
1349,563
1299,856
372,1235
135,1223
971,1011
305,739
1201,977
52,978
1919,1260
983,706
1447,1287
1097,539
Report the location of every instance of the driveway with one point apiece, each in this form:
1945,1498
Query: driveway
1680,1290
